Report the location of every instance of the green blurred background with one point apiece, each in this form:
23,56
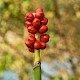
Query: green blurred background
63,47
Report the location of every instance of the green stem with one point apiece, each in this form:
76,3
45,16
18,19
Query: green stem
37,70
37,56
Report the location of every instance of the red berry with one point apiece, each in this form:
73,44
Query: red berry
39,15
43,29
28,24
37,45
29,45
44,21
44,38
39,10
29,16
31,50
43,45
32,30
36,23
31,39
32,35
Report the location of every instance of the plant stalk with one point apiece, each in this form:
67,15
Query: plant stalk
37,61
37,69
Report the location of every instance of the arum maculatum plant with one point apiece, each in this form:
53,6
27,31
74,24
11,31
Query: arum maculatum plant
36,26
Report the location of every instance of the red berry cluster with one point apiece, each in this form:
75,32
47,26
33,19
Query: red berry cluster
36,22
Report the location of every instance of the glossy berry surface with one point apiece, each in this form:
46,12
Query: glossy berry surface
44,21
32,39
28,24
37,45
44,38
39,15
31,50
29,45
43,45
39,10
43,29
36,23
32,35
29,16
32,30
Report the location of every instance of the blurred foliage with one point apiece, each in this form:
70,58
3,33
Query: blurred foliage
64,31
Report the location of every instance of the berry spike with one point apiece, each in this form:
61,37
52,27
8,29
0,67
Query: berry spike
36,25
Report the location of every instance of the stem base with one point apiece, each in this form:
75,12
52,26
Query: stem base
37,73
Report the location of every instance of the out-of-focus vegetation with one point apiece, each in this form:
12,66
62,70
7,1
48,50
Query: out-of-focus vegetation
62,55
